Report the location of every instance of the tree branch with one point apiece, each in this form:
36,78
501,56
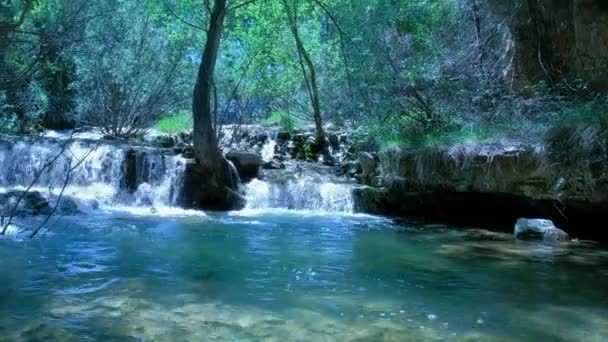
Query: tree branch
242,4
60,196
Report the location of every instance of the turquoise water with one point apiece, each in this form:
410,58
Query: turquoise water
294,276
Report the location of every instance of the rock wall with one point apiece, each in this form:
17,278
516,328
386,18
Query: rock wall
493,185
556,39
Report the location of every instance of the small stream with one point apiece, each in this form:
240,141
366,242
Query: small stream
295,265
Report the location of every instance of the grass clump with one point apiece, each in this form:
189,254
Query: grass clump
179,122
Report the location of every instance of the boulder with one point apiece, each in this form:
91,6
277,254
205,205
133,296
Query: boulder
68,206
371,200
368,167
32,203
247,163
539,229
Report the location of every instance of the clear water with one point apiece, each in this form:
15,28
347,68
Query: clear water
294,276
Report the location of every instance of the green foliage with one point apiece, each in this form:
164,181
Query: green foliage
179,122
308,150
405,72
285,119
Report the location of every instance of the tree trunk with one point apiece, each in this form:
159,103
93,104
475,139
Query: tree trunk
205,141
211,182
310,77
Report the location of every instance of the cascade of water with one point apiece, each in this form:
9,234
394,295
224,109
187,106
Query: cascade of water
302,193
156,179
269,147
160,179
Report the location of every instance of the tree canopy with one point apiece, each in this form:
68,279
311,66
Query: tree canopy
393,69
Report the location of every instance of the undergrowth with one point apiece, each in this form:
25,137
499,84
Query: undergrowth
531,126
285,119
179,122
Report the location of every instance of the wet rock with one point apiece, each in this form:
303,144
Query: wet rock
492,185
349,168
158,139
334,140
539,229
188,152
32,203
247,163
371,200
185,137
92,204
274,165
68,206
283,137
130,167
368,167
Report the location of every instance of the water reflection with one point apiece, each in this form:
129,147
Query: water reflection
294,276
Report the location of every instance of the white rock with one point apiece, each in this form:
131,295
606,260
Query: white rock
539,229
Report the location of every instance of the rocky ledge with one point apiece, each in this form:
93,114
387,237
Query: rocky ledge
493,184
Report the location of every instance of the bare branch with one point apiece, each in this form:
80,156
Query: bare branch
184,21
60,196
34,181
242,4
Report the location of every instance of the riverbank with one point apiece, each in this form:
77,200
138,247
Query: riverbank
488,185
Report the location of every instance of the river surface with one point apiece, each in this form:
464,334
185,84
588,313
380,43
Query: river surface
279,275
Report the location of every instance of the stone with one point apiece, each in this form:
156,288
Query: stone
349,168
334,140
283,136
371,200
274,165
32,203
368,167
130,167
539,229
247,163
68,206
491,185
92,204
188,152
158,139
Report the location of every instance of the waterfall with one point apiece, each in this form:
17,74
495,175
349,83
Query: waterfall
111,175
300,193
269,147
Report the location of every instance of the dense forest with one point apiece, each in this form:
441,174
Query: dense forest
406,72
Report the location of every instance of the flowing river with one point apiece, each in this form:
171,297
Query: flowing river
296,265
